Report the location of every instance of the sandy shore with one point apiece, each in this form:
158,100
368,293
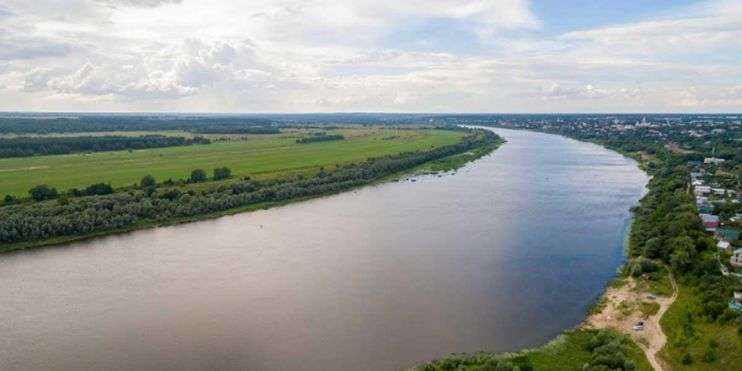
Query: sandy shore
622,312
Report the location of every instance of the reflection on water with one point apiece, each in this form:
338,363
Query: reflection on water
503,255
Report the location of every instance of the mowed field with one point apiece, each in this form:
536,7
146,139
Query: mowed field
259,156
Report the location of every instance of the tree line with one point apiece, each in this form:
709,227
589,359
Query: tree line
236,129
33,222
44,192
40,146
94,123
320,138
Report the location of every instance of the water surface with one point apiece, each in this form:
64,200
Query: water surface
503,255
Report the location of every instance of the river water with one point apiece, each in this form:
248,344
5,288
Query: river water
504,254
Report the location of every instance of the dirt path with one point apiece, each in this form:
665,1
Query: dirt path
622,312
654,349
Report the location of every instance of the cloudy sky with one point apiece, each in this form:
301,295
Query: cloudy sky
371,55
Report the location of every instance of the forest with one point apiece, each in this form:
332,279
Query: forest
93,123
42,146
236,129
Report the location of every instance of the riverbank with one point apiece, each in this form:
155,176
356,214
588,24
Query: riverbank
451,157
627,316
573,350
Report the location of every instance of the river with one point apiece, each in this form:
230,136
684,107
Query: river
504,254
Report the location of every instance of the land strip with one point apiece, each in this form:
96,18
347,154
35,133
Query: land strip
66,218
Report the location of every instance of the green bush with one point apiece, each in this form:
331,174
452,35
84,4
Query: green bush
9,199
198,175
222,173
148,181
43,192
98,189
608,353
642,266
710,355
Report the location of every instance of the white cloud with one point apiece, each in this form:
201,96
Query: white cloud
716,26
291,55
137,3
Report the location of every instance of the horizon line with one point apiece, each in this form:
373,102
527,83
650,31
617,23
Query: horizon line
367,112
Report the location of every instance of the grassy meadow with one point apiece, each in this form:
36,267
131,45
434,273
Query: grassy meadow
710,345
259,156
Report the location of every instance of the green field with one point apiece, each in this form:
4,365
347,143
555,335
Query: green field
260,156
711,345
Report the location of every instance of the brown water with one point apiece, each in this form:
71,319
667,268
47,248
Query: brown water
502,255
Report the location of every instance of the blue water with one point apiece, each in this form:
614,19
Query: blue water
504,254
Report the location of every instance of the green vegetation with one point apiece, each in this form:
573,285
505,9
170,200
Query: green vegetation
667,228
41,146
261,157
37,223
455,162
232,129
657,282
124,123
42,192
96,189
320,137
148,181
694,341
597,306
649,308
222,173
573,351
198,176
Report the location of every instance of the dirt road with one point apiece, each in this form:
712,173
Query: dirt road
622,312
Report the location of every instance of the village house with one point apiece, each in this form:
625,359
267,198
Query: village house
736,303
700,200
713,160
710,222
722,191
724,245
736,259
701,190
705,208
727,234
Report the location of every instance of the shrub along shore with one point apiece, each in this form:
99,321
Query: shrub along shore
32,224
